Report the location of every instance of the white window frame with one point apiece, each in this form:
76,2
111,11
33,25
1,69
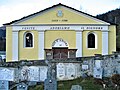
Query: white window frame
24,42
96,40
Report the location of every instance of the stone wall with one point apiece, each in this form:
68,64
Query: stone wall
67,69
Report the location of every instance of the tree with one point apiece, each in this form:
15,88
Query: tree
116,79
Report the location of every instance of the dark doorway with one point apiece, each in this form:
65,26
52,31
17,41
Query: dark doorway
91,40
60,53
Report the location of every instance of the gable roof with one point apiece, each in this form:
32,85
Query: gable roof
15,21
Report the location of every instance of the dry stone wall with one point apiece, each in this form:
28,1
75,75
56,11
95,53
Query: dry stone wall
97,66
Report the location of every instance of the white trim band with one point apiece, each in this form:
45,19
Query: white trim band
62,27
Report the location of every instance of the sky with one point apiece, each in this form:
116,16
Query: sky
15,9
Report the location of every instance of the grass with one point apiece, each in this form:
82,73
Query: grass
86,83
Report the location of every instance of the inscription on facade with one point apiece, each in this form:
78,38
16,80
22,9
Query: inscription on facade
28,28
67,27
59,20
92,28
59,28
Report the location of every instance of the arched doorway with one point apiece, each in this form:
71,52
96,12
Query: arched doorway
60,49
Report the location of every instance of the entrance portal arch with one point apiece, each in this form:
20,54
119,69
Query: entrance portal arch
60,43
60,49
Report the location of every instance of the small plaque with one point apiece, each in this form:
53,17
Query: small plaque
98,72
98,63
4,85
84,67
70,71
7,74
43,73
22,86
50,84
33,74
60,71
24,73
59,13
76,87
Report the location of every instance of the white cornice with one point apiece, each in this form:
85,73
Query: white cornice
61,27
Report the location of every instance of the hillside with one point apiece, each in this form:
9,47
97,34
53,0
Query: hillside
114,18
2,38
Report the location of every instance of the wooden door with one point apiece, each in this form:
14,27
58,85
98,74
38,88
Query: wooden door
59,53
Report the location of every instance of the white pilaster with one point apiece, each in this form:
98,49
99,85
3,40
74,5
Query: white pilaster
41,45
15,46
79,43
68,54
104,42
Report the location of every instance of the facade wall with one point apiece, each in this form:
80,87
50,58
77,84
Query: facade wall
28,53
68,35
50,17
51,35
48,26
9,43
112,39
92,51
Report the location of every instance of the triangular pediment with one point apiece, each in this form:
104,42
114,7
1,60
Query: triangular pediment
58,14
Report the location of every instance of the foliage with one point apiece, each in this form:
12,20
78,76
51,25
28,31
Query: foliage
86,83
36,87
2,39
116,79
114,18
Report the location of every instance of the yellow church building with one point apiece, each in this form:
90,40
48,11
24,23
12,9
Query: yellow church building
58,32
